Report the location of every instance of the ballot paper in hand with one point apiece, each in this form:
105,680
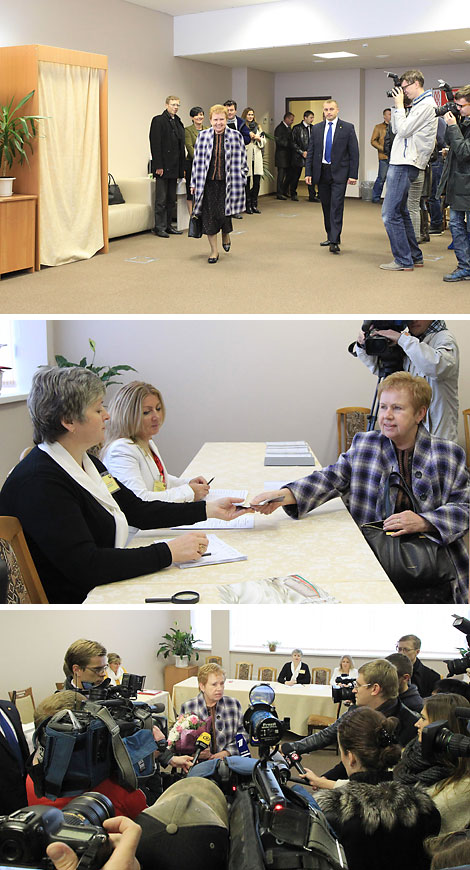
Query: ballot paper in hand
246,521
220,552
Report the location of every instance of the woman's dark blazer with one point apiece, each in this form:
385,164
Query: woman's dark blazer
71,536
304,673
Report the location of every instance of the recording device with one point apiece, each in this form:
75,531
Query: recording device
437,737
389,356
292,757
26,833
459,666
450,105
265,731
202,742
396,82
344,691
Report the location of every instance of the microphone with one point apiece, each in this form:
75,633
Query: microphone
292,757
202,742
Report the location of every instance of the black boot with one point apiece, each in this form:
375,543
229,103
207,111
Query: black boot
254,205
249,208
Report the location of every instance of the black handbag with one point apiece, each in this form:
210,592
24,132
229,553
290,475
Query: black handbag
195,227
421,570
115,196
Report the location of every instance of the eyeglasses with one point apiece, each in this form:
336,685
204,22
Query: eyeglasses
404,649
357,685
99,670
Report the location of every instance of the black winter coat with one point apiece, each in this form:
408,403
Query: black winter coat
167,145
381,827
300,140
283,136
455,181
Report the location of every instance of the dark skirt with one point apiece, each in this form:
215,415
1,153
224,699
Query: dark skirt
213,209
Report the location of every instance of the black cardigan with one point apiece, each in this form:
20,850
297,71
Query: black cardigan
304,673
71,536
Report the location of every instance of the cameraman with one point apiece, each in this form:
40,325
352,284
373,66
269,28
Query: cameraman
431,351
415,136
455,183
85,665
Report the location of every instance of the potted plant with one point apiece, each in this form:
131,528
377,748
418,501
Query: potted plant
16,134
272,644
105,373
180,644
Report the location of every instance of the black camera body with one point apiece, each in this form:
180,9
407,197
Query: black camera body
26,833
396,82
390,356
344,690
450,105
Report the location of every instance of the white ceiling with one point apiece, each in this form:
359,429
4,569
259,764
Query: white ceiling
417,49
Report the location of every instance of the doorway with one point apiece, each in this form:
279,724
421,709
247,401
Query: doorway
299,105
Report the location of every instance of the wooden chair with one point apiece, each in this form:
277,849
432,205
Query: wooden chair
267,674
24,703
59,686
4,581
244,671
349,421
321,676
466,424
317,723
25,586
216,659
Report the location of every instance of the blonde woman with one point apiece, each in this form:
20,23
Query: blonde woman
137,413
345,669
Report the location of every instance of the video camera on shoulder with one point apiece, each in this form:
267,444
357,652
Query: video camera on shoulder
26,833
343,691
459,666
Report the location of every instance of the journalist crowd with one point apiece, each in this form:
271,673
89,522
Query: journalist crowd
215,785
423,158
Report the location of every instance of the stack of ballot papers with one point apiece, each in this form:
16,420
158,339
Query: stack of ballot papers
246,521
288,453
217,553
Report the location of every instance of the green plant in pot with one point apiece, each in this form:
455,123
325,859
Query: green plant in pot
105,373
180,644
16,135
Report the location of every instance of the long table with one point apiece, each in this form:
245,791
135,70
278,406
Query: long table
296,702
326,547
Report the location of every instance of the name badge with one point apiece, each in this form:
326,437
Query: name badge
111,484
158,486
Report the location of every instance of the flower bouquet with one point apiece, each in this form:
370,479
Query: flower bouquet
184,733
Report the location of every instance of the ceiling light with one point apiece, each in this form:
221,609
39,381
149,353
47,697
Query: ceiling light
456,49
382,55
331,55
319,61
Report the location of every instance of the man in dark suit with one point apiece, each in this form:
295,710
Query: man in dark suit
168,157
332,162
13,754
283,155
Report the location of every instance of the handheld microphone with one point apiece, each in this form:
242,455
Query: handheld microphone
202,742
292,757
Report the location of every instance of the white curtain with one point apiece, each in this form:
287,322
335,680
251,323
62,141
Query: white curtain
70,177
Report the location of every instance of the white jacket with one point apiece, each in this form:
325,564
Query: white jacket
435,358
415,132
135,469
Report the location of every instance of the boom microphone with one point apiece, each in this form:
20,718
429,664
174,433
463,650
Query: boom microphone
202,742
292,757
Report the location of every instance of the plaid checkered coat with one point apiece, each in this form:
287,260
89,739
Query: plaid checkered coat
440,483
236,169
228,718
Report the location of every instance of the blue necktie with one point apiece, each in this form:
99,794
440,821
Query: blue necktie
11,738
328,142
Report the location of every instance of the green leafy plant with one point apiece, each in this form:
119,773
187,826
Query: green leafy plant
16,134
178,643
272,644
105,373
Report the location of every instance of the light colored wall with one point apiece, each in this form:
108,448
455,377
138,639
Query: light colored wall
33,643
142,67
260,95
15,428
236,380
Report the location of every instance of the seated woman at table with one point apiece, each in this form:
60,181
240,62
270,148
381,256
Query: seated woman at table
295,671
380,823
345,669
136,415
434,470
73,513
115,670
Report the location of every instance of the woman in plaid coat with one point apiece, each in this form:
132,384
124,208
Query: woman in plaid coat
218,178
433,468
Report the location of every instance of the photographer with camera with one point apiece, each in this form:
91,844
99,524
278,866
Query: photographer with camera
455,182
430,351
85,666
415,136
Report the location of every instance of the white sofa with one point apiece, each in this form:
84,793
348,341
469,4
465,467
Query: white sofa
136,214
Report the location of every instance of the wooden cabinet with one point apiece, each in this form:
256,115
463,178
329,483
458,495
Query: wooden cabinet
176,675
17,233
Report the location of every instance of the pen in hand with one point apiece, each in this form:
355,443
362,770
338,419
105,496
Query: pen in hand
210,481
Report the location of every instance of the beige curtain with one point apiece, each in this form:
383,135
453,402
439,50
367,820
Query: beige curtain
70,180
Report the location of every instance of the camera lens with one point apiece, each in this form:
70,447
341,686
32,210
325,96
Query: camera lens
12,851
88,809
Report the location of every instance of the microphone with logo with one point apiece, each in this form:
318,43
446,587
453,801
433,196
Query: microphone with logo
202,742
292,757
